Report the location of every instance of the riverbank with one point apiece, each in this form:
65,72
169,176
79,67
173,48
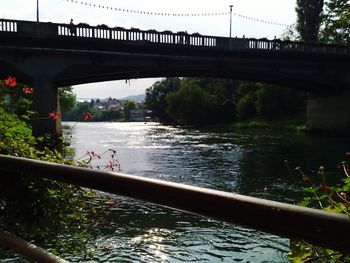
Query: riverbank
294,123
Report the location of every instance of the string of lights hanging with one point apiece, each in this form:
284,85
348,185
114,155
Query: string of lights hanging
153,13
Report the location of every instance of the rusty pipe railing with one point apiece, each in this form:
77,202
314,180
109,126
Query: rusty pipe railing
31,251
315,226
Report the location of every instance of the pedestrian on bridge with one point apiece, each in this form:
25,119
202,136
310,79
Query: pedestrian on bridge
72,29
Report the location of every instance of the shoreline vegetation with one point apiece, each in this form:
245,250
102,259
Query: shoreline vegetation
287,123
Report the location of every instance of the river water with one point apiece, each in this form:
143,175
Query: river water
244,162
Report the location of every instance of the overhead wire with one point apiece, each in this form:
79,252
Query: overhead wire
159,13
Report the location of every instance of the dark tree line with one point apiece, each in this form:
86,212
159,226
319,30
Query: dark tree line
309,19
203,101
336,22
325,20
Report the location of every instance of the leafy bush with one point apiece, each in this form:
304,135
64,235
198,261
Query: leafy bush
246,106
191,105
34,208
270,102
329,198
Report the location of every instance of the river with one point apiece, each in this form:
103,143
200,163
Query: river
245,162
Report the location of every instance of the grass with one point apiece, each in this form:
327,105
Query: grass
294,123
287,123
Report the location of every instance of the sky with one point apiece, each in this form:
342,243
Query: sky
245,14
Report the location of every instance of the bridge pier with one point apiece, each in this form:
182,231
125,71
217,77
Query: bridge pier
45,101
329,113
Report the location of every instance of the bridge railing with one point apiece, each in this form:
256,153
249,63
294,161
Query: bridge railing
276,44
122,34
54,30
8,25
31,251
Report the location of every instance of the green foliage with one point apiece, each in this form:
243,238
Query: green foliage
246,98
22,107
41,210
128,106
76,113
245,88
222,89
325,20
309,19
13,100
191,105
336,26
246,106
15,136
267,101
155,97
302,252
285,123
333,199
66,98
37,209
200,101
106,115
272,101
192,101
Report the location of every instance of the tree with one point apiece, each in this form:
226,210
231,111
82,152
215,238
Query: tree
192,105
67,98
155,97
128,106
223,89
245,100
336,26
77,112
271,101
246,106
267,101
309,19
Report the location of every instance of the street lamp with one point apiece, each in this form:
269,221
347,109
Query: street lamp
37,11
231,19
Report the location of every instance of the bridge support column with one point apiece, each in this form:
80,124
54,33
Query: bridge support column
45,100
329,113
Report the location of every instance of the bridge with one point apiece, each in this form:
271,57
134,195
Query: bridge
50,55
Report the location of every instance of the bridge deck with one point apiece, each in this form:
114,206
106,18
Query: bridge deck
28,29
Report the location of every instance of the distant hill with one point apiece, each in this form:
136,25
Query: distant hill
136,98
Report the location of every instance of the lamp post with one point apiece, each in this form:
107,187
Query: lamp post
37,11
231,19
37,19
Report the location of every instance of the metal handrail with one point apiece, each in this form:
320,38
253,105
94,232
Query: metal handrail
31,251
315,226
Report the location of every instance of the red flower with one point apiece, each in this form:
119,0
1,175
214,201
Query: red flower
347,154
109,165
54,115
28,90
87,116
11,81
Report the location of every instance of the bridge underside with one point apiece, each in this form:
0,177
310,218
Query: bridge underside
79,61
329,113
